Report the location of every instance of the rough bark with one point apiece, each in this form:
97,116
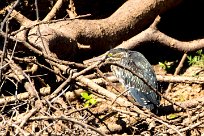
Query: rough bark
131,18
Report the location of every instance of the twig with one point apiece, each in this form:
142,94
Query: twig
4,51
33,60
55,93
150,115
20,75
160,78
23,120
49,69
75,75
78,110
21,130
118,96
10,11
45,128
101,90
177,71
35,50
60,94
54,10
67,119
194,118
21,96
100,120
180,79
45,47
71,9
191,126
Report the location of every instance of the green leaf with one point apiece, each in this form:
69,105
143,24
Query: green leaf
199,52
86,96
89,100
162,65
86,104
172,116
189,58
197,59
93,101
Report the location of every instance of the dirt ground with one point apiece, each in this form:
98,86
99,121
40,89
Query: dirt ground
68,115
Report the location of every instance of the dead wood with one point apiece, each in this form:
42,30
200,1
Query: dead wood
64,37
154,35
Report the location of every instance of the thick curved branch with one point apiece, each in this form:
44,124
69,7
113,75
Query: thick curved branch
154,35
130,19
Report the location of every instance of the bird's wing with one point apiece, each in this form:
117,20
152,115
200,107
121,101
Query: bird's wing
142,98
139,64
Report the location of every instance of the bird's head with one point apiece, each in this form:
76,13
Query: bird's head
115,55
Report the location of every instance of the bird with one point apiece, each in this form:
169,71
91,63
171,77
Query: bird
136,87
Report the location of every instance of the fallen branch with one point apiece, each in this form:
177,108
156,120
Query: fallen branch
161,78
151,116
54,118
130,19
180,79
21,97
154,35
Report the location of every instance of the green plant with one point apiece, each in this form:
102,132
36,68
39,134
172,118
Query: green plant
166,65
198,59
172,116
89,100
